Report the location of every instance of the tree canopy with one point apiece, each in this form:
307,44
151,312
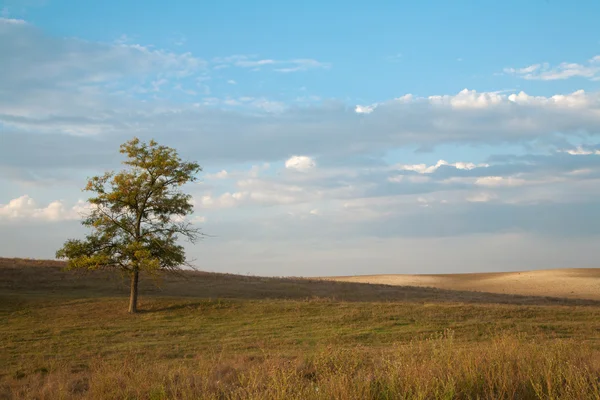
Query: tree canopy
137,215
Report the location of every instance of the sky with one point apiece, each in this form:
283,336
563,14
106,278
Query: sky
336,138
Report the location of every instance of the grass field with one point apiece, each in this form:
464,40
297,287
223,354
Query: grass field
218,336
573,283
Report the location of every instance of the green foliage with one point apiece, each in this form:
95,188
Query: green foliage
138,214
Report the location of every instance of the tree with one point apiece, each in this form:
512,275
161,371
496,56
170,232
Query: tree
137,216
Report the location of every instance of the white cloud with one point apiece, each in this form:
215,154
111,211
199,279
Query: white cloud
226,200
303,65
199,219
469,99
25,208
251,61
11,21
366,189
578,99
48,75
582,171
320,129
481,197
580,151
499,181
223,174
424,169
248,198
513,181
232,82
365,109
248,103
525,70
565,70
238,174
300,163
74,104
423,202
409,178
255,63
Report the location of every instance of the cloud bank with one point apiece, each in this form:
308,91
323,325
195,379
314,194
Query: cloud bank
288,185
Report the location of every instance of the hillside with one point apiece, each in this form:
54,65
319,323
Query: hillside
574,283
42,277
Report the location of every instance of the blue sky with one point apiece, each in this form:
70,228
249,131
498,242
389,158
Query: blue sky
377,49
336,137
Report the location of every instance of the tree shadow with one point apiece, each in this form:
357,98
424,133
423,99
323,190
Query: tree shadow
236,287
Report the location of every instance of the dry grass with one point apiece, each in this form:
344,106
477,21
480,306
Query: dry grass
506,367
227,337
575,283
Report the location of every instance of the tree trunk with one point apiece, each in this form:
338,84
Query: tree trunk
134,292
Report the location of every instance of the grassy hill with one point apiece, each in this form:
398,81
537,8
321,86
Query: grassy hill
572,283
205,335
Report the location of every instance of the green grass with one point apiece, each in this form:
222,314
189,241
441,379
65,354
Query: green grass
81,343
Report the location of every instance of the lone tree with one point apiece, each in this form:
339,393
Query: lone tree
136,216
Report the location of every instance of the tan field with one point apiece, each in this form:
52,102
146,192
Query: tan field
575,283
